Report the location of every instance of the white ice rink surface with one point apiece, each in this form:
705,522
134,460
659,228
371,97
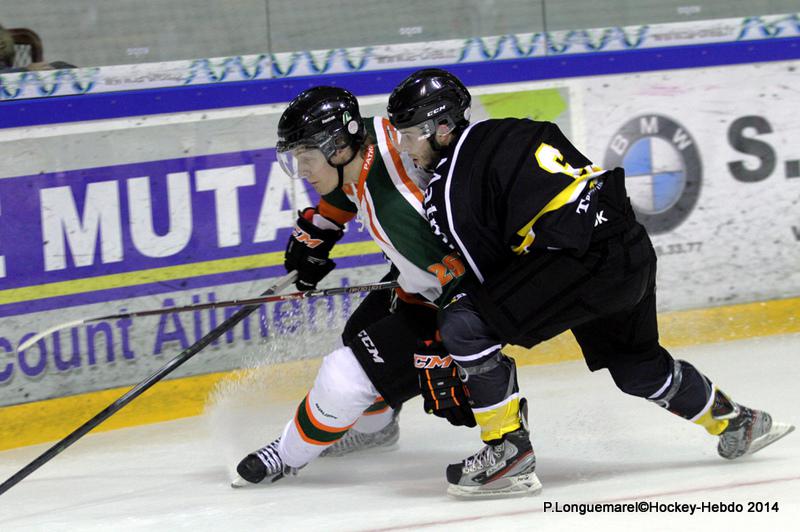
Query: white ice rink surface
593,445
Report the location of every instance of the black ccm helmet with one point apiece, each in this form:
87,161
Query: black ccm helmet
325,118
429,98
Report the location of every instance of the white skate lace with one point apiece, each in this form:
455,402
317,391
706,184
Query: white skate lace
270,458
480,460
353,439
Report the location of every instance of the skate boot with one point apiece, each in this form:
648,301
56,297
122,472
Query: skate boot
263,464
498,471
748,430
354,441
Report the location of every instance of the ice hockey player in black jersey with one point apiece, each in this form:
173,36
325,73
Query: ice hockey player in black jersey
554,244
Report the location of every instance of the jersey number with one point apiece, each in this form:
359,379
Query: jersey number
450,268
551,159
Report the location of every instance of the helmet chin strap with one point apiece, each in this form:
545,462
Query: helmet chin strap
340,173
340,167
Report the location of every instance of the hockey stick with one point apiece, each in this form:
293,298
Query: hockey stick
265,298
140,388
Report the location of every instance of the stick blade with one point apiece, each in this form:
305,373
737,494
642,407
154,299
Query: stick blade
47,332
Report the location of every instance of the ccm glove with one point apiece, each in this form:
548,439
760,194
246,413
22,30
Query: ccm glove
443,393
309,246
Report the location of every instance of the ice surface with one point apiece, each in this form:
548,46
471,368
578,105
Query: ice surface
593,444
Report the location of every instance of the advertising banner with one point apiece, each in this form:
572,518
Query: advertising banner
99,241
713,171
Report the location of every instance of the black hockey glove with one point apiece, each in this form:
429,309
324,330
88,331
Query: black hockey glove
443,393
308,249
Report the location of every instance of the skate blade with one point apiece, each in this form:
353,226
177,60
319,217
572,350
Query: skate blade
778,431
376,449
521,486
239,482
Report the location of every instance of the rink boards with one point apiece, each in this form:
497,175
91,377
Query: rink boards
178,208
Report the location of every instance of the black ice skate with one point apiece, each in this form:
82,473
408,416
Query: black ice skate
498,471
748,430
354,441
264,464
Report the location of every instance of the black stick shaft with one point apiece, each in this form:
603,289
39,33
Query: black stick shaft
140,388
267,298
264,298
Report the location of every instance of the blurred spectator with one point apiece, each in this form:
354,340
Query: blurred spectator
8,55
7,51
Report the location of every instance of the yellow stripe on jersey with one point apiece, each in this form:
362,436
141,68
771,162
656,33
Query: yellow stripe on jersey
549,159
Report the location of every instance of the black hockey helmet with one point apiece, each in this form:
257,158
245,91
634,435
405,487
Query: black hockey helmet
326,118
433,96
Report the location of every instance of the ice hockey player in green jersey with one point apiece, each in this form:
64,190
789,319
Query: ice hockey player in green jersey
389,351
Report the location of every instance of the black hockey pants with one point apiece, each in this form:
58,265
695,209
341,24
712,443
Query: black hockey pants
384,335
606,297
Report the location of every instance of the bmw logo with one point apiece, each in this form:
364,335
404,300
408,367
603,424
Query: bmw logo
663,171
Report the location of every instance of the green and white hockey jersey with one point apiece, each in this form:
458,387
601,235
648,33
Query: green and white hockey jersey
388,198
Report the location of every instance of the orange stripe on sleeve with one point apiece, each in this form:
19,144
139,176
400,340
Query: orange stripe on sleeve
413,299
333,212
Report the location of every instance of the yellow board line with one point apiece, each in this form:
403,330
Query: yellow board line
167,273
689,327
50,420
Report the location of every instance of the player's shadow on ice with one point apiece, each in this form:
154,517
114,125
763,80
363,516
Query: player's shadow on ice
563,472
406,472
413,475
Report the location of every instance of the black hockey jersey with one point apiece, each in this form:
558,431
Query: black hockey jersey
510,186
